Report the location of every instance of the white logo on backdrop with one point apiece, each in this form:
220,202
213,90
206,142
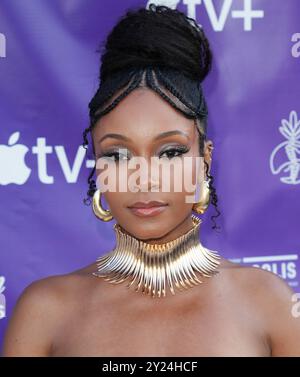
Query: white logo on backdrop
246,13
13,168
283,265
12,165
290,129
2,46
296,47
169,3
296,306
2,298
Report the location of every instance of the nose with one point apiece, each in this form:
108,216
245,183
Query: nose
148,177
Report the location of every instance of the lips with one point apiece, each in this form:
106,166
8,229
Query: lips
144,209
153,203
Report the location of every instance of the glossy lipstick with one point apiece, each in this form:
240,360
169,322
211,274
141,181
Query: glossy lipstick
146,209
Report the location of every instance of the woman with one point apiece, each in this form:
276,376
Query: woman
183,299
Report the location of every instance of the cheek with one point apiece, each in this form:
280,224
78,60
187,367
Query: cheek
115,199
190,178
186,174
110,176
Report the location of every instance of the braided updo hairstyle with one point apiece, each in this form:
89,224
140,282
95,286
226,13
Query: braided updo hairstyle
165,50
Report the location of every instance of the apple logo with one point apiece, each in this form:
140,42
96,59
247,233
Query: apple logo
12,165
2,297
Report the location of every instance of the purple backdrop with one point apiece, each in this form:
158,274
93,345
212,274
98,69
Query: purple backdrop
48,74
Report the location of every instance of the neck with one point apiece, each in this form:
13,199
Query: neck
153,267
125,240
178,231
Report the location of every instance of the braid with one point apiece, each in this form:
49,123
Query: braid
91,182
85,140
172,90
173,104
132,86
213,194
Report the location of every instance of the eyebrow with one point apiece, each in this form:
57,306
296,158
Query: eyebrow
158,137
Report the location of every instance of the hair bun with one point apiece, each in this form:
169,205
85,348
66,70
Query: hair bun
158,36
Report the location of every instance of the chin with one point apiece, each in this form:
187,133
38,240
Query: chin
152,228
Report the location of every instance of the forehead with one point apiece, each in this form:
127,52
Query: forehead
143,112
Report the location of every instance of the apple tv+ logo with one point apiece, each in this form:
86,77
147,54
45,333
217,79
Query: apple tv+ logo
13,169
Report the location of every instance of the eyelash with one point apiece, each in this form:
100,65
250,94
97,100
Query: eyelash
178,151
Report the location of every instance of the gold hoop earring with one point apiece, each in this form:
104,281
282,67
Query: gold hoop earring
100,212
201,206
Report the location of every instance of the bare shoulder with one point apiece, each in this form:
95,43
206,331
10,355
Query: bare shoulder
259,280
265,285
42,307
52,291
275,301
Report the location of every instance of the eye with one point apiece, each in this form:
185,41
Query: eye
174,152
115,155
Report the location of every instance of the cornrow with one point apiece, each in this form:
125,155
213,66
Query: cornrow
172,90
130,88
164,96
